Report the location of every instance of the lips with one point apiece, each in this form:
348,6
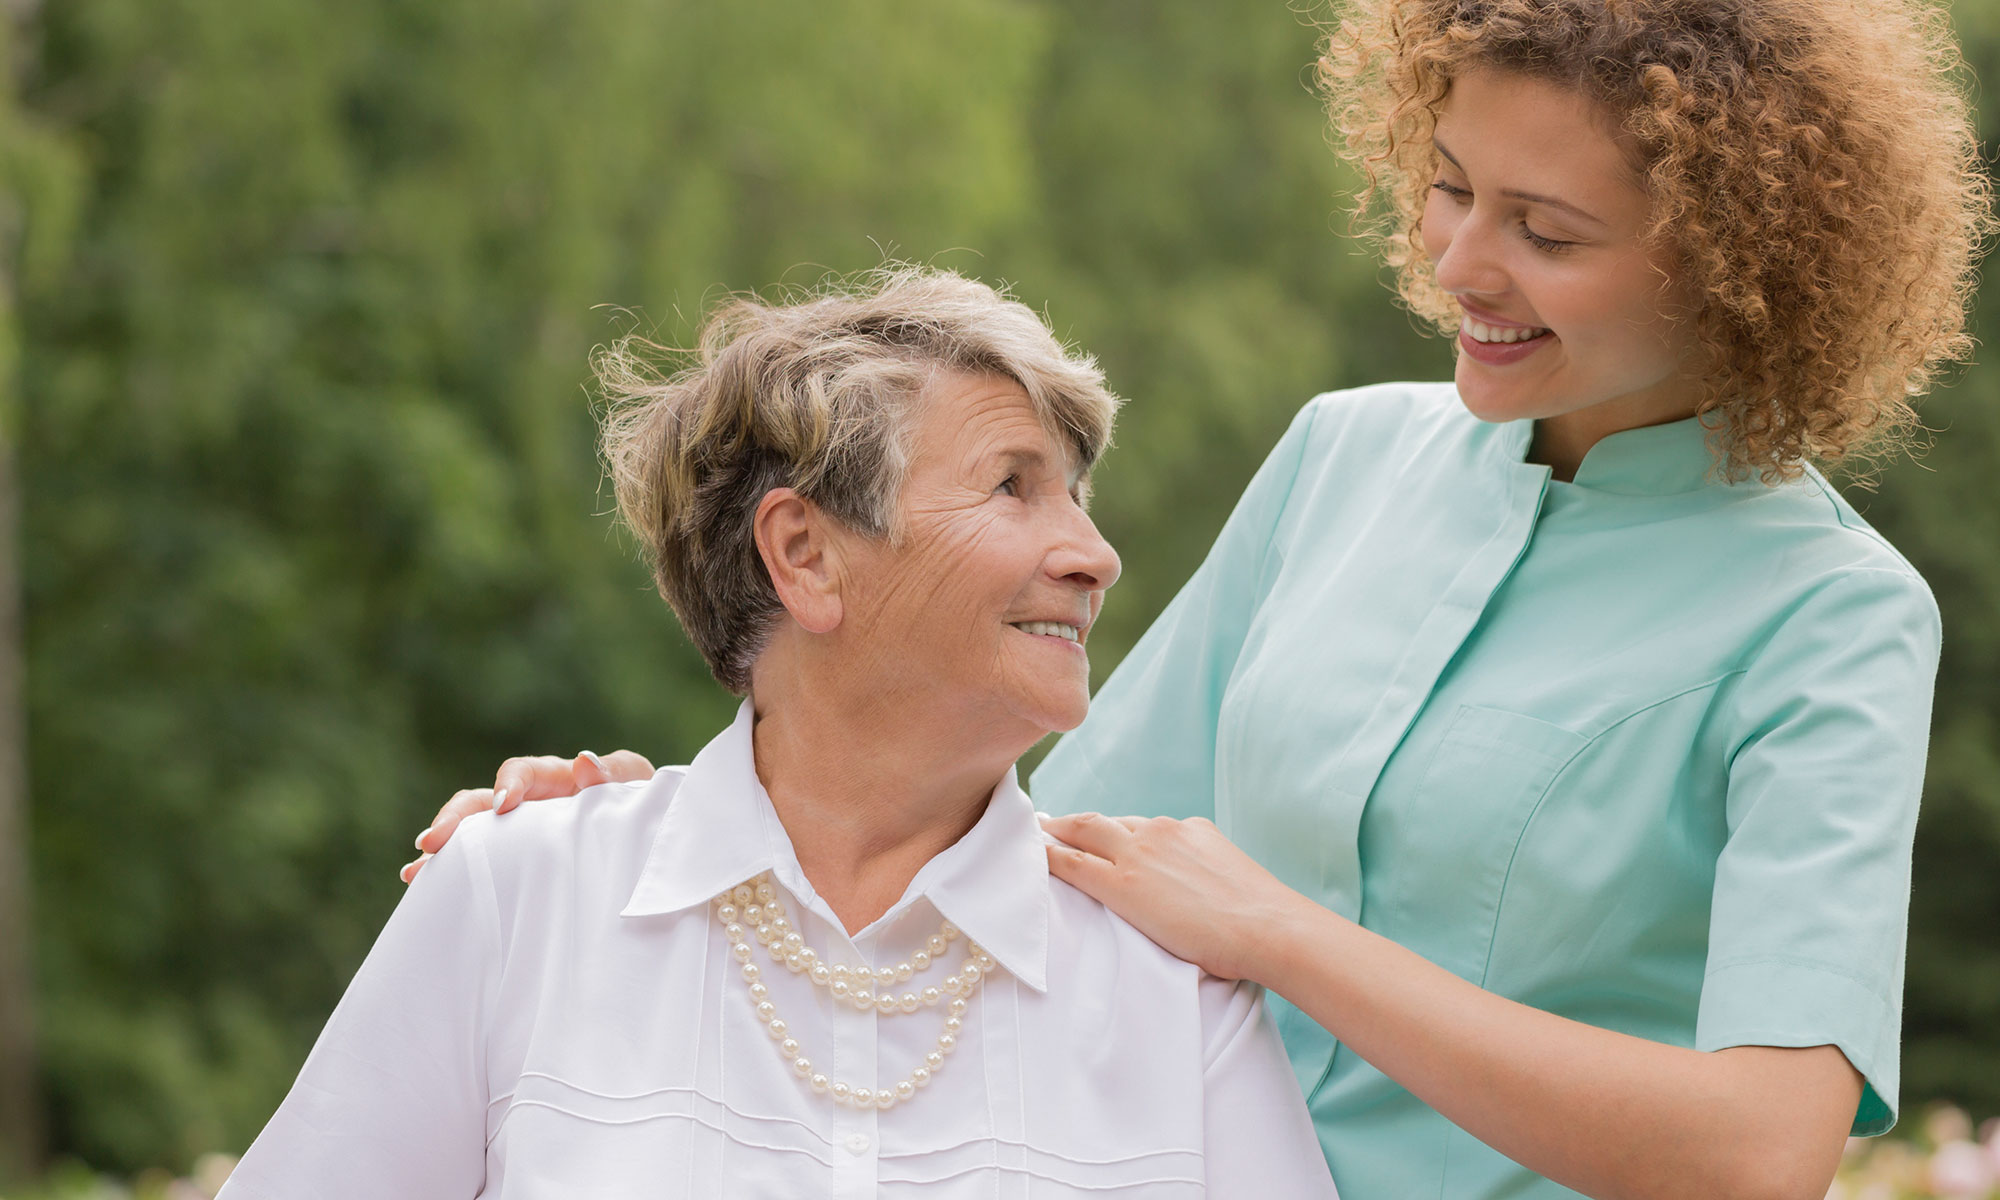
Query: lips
1501,354
1480,331
1487,339
1057,629
1496,322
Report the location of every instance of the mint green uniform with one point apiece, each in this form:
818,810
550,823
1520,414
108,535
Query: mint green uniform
1642,750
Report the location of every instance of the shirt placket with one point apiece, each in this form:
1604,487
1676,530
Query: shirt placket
857,1135
1436,637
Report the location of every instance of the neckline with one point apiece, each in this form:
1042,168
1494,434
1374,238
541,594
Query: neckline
1653,460
721,829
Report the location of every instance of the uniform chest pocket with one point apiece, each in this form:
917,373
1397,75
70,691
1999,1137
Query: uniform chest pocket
1453,836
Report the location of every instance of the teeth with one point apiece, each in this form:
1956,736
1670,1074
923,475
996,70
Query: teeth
1048,629
1480,331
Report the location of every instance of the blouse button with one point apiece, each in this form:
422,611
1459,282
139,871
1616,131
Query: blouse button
858,1144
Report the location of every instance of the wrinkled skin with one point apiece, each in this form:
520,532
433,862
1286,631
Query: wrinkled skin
992,533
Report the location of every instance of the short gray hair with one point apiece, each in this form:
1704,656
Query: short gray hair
815,396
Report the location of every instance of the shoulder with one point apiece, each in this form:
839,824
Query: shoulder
1391,410
1085,937
1831,560
1089,939
1386,430
604,832
1841,624
1383,444
1866,547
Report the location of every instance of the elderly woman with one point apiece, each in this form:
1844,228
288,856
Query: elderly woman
1564,727
826,958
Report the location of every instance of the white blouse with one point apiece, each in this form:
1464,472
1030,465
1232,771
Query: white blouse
553,1011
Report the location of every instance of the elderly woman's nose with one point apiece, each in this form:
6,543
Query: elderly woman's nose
1085,557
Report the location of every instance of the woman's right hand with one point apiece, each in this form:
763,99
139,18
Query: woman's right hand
523,779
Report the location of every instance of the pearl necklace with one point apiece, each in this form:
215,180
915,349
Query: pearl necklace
752,909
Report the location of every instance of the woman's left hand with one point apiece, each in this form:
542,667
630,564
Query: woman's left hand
1180,883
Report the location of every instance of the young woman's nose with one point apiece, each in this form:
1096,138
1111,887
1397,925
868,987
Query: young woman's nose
1468,262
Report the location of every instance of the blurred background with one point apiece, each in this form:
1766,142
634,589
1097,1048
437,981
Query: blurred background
298,495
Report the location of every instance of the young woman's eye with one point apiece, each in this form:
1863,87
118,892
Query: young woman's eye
1549,245
1456,193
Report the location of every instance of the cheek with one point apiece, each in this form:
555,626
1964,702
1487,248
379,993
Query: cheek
1438,221
933,596
1624,308
947,580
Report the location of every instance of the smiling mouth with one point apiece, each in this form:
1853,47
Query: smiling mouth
1480,331
1057,629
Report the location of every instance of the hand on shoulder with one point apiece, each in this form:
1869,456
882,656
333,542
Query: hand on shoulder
540,777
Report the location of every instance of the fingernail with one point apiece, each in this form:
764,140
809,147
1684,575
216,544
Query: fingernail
420,838
595,761
500,800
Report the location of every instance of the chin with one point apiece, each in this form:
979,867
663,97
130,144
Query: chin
1487,399
1060,715
1069,721
1513,398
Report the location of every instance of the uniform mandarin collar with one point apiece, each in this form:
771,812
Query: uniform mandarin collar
721,829
1657,460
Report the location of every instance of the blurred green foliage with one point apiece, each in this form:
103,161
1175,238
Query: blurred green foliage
313,531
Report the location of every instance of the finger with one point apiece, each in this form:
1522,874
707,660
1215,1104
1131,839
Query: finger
461,805
1082,870
410,869
535,778
588,770
1093,832
626,767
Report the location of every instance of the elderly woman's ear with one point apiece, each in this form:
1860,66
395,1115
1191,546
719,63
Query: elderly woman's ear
800,550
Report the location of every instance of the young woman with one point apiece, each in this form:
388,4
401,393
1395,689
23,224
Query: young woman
1570,725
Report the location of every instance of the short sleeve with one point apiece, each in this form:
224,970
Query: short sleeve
1812,888
1148,745
392,1101
1258,1138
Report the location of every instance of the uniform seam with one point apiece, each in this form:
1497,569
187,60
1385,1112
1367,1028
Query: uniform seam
1833,501
1589,740
1848,577
1273,545
1796,960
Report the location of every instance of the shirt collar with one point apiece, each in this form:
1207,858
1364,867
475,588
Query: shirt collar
720,829
1657,460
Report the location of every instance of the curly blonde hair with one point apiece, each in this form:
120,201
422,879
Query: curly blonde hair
1813,171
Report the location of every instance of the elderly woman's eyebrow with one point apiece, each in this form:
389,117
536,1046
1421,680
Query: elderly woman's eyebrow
1019,458
1022,456
1029,458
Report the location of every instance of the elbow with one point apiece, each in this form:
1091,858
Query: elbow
1738,1169
1774,1173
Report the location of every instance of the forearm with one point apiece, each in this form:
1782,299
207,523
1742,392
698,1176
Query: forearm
1610,1115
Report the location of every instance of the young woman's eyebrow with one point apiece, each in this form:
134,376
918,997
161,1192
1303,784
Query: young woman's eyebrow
1530,197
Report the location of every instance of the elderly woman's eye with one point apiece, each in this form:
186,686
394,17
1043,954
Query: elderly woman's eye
1010,485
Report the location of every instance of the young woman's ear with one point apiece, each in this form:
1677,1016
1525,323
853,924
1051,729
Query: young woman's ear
794,542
